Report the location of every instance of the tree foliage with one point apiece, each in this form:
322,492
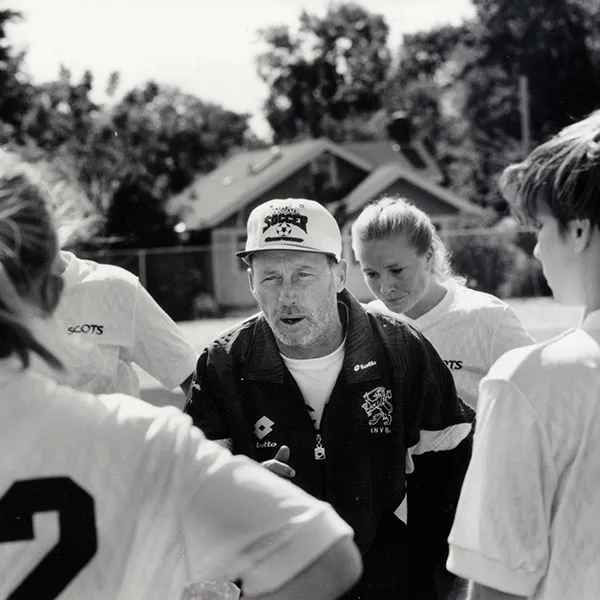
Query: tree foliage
123,156
460,83
331,71
14,87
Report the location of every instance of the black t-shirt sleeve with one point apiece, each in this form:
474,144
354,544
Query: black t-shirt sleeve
442,435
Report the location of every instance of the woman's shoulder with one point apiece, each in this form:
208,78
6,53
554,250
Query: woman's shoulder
475,301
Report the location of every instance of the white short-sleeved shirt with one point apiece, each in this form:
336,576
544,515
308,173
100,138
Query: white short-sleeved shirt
528,519
108,323
470,330
147,505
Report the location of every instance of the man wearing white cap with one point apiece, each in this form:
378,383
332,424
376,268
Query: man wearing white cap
354,407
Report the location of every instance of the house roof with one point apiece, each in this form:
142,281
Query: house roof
383,177
384,152
214,197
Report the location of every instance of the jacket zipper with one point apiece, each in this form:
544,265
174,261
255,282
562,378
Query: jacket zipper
320,453
319,448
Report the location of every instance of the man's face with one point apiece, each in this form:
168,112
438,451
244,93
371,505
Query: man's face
297,292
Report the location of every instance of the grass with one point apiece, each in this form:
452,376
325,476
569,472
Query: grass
542,317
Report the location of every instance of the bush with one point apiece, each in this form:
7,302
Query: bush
486,261
175,280
528,280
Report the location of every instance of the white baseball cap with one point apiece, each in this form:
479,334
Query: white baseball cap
293,224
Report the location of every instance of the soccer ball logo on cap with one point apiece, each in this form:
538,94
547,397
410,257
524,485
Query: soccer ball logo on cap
284,229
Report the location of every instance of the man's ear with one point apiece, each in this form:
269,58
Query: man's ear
341,273
582,231
251,280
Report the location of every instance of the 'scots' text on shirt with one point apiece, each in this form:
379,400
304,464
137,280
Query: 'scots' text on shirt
97,329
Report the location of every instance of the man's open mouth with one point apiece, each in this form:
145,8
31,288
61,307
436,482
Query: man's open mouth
291,320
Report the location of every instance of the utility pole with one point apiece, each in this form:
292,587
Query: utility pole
524,110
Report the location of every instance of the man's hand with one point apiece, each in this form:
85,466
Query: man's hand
278,464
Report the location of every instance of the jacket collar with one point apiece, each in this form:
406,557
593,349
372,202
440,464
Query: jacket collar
361,358
264,362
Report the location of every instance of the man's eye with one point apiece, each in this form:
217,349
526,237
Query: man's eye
397,271
371,275
305,274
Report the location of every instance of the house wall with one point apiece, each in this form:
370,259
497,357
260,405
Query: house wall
230,277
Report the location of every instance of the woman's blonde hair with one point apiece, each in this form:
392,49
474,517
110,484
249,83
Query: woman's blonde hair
390,216
29,287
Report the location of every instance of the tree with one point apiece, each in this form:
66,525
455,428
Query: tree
553,43
460,84
15,90
136,215
175,135
61,112
334,68
130,157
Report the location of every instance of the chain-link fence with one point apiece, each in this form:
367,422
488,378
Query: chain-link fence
191,282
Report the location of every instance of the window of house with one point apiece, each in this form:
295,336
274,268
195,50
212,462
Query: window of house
326,167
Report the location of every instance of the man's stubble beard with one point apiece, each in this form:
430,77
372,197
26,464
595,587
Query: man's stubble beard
312,336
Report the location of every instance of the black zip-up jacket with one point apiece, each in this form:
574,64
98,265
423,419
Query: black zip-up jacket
392,423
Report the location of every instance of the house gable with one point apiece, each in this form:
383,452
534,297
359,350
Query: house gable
249,176
429,203
394,180
415,158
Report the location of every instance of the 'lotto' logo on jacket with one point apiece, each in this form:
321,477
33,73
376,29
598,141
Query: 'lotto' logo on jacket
379,409
263,427
97,329
368,365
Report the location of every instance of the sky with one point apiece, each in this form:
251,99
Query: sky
205,47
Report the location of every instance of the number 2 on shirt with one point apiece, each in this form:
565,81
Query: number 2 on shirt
78,540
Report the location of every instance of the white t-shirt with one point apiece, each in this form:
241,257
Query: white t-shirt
528,521
147,505
110,322
316,379
470,330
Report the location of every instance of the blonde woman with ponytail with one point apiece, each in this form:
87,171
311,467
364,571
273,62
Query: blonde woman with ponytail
109,497
407,268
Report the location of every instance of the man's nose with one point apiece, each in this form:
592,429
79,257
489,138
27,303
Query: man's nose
287,293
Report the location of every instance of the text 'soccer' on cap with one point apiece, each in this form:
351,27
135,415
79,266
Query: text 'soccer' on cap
293,224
